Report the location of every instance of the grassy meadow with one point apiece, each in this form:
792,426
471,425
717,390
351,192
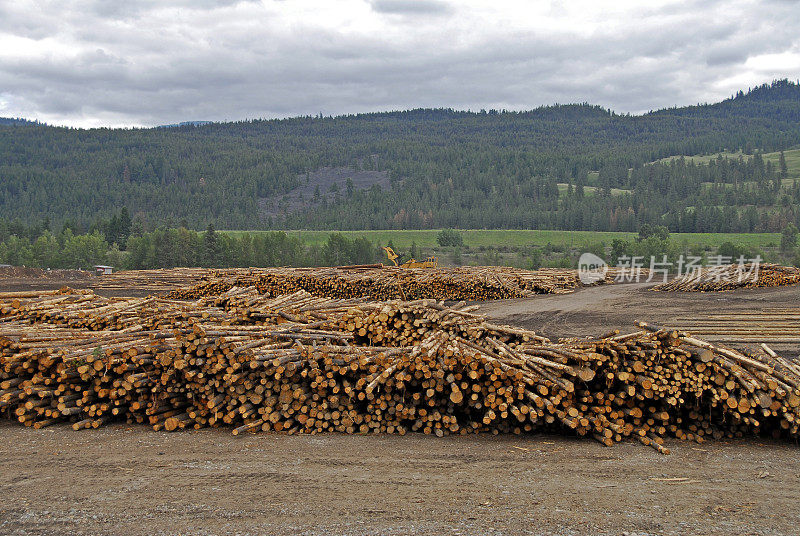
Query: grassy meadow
517,238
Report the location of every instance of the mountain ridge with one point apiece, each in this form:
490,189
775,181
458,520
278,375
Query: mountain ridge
783,88
446,168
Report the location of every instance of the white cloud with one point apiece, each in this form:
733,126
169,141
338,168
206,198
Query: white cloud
148,62
767,63
410,7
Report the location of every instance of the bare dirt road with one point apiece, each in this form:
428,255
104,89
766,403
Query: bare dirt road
124,481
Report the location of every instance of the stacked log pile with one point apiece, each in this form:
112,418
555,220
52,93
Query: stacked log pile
780,325
303,364
731,277
153,281
379,282
26,273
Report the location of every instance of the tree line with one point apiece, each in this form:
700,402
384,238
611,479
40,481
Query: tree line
168,248
38,246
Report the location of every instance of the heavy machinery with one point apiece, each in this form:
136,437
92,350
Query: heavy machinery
430,262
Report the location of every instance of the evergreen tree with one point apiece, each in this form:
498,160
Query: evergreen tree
211,257
784,170
789,237
125,225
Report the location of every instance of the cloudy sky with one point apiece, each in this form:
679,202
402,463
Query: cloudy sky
149,62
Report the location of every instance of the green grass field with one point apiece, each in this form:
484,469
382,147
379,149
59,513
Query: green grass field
498,238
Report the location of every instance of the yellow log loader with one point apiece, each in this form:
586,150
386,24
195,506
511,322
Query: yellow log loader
430,262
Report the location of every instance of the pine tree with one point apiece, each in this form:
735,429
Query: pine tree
784,170
211,247
112,231
789,237
124,226
137,227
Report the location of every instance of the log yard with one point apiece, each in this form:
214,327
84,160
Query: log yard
399,268
425,354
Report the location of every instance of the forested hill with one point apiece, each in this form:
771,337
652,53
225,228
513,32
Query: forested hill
16,121
563,167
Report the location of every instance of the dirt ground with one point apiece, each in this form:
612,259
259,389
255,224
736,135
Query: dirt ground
125,480
17,278
595,311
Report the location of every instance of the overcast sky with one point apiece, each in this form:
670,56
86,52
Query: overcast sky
149,62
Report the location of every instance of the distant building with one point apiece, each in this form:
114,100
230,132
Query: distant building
100,269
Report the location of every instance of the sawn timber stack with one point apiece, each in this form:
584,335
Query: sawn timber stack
304,364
